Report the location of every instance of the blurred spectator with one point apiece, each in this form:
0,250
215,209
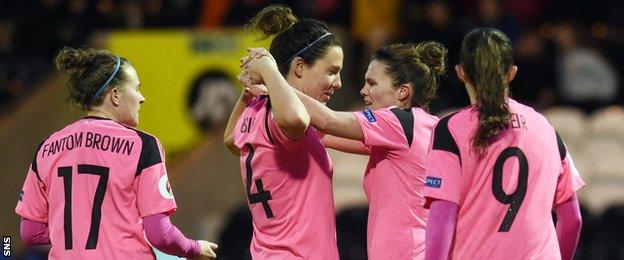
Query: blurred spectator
526,11
235,238
533,84
435,21
585,77
373,25
240,11
492,13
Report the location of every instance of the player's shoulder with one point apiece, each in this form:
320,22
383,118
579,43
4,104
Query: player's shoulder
259,102
532,115
458,118
520,107
424,116
151,150
146,137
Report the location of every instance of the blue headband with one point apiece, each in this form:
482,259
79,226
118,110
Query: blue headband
103,87
306,48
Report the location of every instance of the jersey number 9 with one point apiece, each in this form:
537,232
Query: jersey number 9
514,200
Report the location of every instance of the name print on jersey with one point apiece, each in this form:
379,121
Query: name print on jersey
88,140
247,123
516,121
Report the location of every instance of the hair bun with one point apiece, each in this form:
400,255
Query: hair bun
273,20
433,54
73,62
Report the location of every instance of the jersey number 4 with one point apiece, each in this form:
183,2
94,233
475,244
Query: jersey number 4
514,200
96,212
262,196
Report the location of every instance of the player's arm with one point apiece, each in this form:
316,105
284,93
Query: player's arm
155,201
340,124
169,239
249,92
33,207
440,229
228,135
344,145
289,113
566,204
34,233
569,224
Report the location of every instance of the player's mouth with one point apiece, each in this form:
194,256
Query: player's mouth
327,95
368,103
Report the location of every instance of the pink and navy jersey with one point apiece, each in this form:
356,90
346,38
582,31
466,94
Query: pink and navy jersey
92,182
289,188
394,180
506,194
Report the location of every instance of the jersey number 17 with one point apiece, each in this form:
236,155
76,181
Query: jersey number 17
96,212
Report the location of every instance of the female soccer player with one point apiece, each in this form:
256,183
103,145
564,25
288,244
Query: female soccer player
497,169
97,185
400,82
285,168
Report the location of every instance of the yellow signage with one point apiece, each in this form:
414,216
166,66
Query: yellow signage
188,79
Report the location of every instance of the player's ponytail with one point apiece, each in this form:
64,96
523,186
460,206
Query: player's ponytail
305,38
421,65
487,56
87,71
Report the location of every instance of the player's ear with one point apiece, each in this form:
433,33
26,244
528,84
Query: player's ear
461,74
115,96
511,74
298,66
404,93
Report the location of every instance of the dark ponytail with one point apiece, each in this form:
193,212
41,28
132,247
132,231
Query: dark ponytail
305,38
487,56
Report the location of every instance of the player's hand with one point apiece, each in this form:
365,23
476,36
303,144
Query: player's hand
206,250
250,90
255,53
258,61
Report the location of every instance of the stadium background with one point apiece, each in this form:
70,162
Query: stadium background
570,56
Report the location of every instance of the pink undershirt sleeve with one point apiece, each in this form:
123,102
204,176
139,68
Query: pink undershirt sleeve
569,224
440,229
167,238
34,233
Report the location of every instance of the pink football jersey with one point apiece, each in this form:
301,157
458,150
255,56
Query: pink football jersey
507,194
289,188
394,180
92,182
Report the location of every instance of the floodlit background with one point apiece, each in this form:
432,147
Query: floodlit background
570,55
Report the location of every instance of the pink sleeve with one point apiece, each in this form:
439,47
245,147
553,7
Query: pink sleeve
34,233
569,224
33,202
443,171
569,179
382,128
152,187
440,229
167,238
278,137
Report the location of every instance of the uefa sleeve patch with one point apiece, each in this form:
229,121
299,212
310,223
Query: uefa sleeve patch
164,187
368,113
433,182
